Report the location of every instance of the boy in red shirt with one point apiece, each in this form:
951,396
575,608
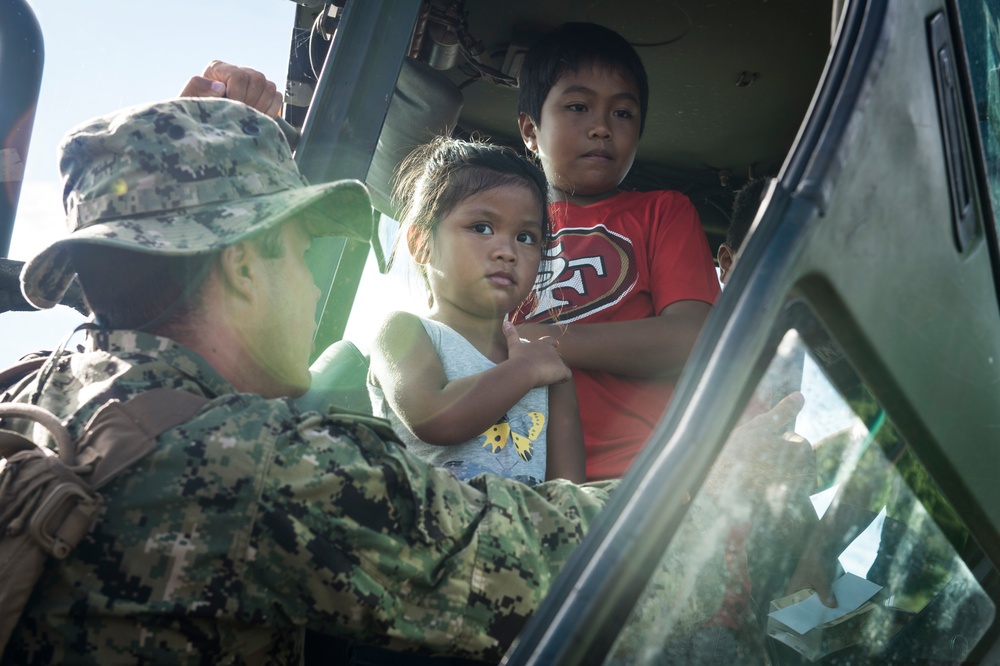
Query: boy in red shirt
630,277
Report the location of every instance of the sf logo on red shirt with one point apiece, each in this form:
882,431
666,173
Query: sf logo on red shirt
583,271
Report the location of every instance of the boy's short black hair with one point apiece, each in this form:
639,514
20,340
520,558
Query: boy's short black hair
569,47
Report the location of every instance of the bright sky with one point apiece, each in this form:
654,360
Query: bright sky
106,54
120,53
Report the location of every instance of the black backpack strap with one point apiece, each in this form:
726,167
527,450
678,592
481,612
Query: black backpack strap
12,442
15,373
12,373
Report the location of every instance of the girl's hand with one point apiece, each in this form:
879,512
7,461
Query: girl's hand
540,357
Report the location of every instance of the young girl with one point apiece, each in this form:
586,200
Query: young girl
460,387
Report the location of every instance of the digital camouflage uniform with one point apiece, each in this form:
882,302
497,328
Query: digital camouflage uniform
254,521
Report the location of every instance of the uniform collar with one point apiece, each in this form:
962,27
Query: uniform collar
138,346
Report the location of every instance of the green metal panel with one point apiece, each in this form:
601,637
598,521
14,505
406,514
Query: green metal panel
341,131
21,61
860,227
918,318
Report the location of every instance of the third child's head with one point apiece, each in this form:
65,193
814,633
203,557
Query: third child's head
582,103
745,207
476,224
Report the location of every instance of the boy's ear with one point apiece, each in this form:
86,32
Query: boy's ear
417,244
528,135
725,262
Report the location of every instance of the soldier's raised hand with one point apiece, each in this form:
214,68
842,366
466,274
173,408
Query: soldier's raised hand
243,84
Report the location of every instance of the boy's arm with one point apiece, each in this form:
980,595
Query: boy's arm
652,347
407,367
564,455
682,284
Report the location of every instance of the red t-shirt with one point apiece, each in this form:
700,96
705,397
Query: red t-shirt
624,258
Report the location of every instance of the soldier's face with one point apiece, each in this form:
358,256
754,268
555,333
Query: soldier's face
285,336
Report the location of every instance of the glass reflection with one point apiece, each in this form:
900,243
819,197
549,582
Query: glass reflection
814,493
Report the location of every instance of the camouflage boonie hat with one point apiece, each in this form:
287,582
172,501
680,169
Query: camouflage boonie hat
184,177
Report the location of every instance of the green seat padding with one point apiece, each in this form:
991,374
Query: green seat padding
339,378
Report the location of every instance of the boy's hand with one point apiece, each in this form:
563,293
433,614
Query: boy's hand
220,79
540,356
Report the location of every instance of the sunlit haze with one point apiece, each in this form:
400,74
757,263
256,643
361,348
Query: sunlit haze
106,54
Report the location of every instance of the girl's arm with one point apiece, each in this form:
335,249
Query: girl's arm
564,455
652,347
407,367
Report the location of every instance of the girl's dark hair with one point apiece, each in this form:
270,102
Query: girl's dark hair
568,48
438,176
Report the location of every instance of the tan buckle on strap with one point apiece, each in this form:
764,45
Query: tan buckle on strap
62,518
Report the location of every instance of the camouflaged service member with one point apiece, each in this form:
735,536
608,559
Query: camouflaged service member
253,521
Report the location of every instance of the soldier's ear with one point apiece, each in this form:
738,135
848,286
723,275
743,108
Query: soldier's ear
238,269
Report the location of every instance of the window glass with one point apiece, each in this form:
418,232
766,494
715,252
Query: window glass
981,34
378,295
831,493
